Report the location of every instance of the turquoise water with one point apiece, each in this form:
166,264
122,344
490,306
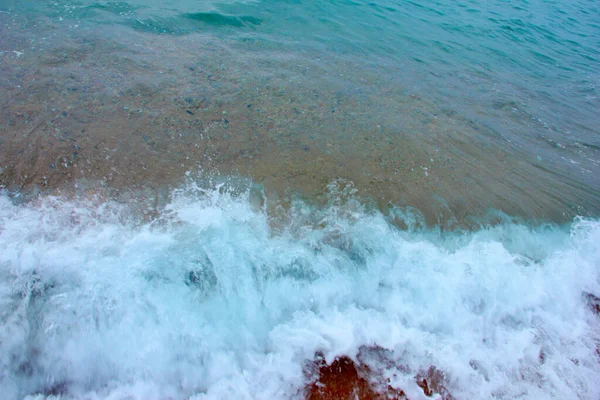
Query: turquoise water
543,55
216,291
527,72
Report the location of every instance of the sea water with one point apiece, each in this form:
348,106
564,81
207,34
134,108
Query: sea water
210,300
217,296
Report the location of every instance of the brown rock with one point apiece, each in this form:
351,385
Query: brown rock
433,381
343,379
346,379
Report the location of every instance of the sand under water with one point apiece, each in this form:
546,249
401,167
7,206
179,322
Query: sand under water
127,108
206,201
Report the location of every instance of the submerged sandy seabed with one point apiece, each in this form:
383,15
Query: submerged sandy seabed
126,109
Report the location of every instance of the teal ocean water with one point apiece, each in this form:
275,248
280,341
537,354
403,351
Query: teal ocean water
513,86
543,55
419,179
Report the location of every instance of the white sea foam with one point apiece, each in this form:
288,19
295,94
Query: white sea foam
209,302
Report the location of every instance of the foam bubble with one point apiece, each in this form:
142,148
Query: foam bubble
209,302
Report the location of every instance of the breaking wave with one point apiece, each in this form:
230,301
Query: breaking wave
216,298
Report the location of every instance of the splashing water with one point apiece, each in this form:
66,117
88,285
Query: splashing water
210,301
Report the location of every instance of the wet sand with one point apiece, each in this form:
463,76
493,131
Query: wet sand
130,110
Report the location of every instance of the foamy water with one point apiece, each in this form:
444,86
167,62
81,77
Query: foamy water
209,301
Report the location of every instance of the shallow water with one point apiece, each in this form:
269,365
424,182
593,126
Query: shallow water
201,196
415,105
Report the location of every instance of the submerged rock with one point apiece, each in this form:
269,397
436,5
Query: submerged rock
593,302
433,381
201,277
345,378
